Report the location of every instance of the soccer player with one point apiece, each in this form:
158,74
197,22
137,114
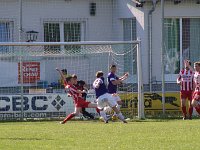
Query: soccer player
185,80
113,82
81,85
76,95
104,98
196,94
65,74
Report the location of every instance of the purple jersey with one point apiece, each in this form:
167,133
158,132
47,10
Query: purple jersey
112,88
100,87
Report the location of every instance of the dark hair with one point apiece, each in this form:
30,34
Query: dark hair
112,66
189,62
74,76
68,78
64,71
99,74
197,63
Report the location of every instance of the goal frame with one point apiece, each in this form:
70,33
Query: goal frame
139,62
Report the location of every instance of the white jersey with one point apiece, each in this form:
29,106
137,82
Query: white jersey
197,81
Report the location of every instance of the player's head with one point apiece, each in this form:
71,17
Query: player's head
187,63
64,71
75,78
99,74
69,80
113,68
197,66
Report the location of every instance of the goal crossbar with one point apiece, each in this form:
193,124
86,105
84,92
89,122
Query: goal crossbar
67,43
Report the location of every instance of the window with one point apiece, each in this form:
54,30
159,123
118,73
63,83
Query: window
172,46
52,34
72,33
6,34
129,28
129,34
63,32
182,36
191,38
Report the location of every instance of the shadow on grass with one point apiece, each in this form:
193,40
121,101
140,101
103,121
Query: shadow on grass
26,139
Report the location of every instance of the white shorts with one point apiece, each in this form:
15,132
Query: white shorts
116,97
106,100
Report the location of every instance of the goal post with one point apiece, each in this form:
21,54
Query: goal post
140,84
30,87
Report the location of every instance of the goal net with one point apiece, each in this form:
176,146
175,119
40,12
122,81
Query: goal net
30,87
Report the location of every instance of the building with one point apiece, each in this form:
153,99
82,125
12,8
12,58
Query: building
104,20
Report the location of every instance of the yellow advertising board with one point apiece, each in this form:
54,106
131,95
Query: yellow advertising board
152,103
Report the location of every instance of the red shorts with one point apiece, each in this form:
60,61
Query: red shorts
196,96
80,102
186,95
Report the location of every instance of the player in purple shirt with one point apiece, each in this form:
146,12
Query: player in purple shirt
104,98
113,82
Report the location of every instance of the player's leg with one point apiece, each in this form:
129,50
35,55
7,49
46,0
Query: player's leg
119,114
84,104
84,112
119,103
87,114
183,105
196,105
101,103
190,109
70,116
195,101
183,108
92,105
112,103
101,112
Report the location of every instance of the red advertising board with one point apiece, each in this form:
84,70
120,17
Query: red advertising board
30,71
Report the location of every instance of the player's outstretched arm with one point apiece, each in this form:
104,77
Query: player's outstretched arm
61,74
124,77
120,80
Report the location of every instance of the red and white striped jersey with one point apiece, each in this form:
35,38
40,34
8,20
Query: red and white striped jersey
73,91
197,81
185,77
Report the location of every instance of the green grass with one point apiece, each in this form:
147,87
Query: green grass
88,135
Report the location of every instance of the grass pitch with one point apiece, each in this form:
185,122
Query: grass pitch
89,135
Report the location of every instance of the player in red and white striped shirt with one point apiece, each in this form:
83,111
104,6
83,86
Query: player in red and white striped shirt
196,94
77,97
81,85
185,80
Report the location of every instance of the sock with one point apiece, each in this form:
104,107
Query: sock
190,111
68,117
103,114
98,110
198,109
118,107
184,111
87,114
120,116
